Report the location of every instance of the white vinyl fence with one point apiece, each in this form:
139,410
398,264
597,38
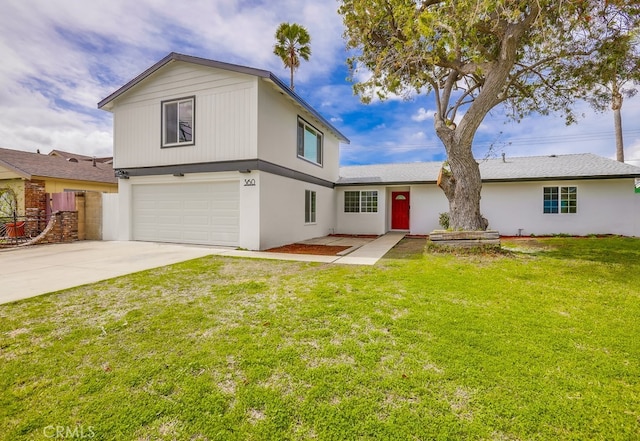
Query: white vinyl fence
110,216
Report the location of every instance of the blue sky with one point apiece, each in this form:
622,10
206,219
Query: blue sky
59,58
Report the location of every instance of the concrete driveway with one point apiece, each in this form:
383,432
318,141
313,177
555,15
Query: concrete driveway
31,271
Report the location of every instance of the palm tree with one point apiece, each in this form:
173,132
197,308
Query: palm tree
614,74
292,43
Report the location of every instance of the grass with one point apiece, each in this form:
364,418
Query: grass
539,343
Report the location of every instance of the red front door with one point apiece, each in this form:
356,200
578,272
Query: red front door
400,210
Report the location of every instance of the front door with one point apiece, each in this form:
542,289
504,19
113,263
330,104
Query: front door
400,210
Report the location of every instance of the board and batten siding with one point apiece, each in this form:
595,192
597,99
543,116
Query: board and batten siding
277,135
225,117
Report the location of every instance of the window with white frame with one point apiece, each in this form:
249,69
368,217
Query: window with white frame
178,122
309,207
562,200
361,201
309,142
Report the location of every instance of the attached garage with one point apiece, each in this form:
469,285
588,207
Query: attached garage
199,213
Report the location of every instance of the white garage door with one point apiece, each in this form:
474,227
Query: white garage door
199,213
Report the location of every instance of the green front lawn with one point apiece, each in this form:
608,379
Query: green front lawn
542,343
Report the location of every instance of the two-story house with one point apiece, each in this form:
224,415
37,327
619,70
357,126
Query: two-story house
215,153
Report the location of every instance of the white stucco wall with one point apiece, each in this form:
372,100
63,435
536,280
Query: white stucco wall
427,202
250,185
361,223
282,202
604,207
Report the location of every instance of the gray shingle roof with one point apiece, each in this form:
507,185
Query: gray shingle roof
28,164
556,167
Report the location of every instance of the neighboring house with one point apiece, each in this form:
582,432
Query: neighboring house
75,157
576,194
215,153
33,173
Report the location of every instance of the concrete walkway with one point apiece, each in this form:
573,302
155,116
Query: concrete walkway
31,271
366,251
370,253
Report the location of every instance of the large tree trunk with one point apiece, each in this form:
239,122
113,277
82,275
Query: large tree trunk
616,105
462,185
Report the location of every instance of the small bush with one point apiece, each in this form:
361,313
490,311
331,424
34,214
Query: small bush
443,219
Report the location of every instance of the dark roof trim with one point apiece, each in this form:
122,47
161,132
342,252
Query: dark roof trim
378,183
564,178
265,74
490,181
239,166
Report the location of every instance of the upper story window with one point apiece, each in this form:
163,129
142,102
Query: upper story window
309,142
560,200
178,122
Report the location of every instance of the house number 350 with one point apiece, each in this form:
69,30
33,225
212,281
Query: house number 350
249,182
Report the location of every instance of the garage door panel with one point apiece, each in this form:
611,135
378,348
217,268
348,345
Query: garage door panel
199,205
225,221
202,213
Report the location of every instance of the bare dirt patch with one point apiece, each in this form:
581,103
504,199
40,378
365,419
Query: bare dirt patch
301,248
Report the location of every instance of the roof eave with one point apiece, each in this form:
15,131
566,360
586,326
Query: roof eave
278,82
489,181
63,178
172,57
372,183
13,168
563,178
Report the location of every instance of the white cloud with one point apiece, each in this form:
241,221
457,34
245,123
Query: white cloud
423,115
59,58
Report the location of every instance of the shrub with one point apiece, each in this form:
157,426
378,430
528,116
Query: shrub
444,220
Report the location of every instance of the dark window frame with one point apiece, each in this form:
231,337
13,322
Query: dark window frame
302,127
163,123
310,207
366,201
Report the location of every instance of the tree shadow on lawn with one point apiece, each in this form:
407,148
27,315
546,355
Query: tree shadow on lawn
613,258
407,248
607,250
617,250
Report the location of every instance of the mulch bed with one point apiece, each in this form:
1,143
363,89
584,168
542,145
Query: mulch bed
300,248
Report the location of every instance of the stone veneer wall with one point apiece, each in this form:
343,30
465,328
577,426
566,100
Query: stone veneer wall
35,203
35,197
62,228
